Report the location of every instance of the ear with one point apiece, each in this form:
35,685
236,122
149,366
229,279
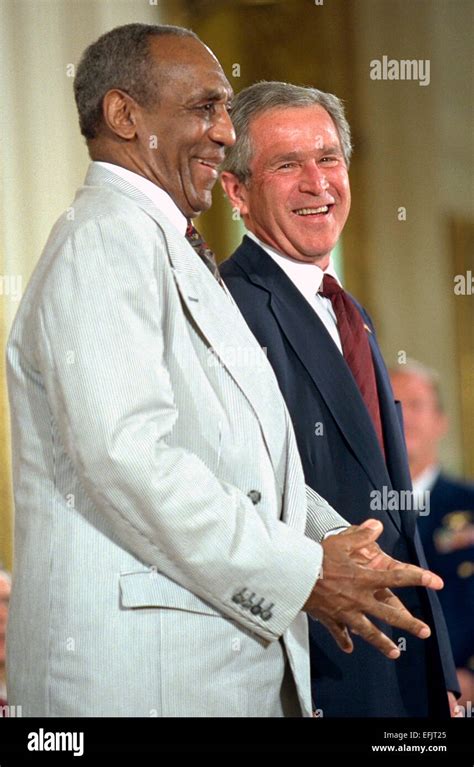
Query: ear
236,191
119,112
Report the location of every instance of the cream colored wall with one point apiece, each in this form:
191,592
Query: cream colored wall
44,158
417,149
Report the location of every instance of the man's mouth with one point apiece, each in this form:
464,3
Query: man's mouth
321,210
213,164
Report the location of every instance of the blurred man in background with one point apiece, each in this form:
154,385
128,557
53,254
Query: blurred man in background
448,530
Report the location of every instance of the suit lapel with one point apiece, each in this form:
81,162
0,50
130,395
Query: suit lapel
397,461
230,341
218,319
311,342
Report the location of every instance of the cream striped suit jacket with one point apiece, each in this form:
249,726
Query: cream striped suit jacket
161,560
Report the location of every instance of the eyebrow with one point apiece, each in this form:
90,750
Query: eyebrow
295,155
216,94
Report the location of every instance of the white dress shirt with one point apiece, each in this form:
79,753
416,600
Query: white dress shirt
425,481
158,196
308,278
161,199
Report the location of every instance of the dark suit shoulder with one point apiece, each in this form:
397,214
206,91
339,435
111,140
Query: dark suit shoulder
230,268
453,492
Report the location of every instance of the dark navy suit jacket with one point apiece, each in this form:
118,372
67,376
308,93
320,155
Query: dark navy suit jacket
448,497
343,462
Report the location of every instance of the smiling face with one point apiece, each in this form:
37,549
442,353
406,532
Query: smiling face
191,123
298,197
178,141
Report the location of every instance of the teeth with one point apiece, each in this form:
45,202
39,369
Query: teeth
312,211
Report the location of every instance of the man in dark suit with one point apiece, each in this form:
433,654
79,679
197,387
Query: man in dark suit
287,175
447,531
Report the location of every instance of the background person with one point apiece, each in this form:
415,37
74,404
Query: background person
448,530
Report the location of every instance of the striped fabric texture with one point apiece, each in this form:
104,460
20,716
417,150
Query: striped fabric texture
156,477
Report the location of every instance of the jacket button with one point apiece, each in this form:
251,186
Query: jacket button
255,496
238,598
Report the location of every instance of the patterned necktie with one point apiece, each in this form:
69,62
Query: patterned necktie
203,250
355,348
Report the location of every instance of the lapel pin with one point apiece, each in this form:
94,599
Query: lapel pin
367,329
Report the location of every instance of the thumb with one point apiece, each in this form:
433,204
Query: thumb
366,533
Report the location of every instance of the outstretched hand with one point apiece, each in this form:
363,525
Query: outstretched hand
356,581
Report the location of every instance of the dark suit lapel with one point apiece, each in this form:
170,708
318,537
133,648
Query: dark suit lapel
311,342
397,461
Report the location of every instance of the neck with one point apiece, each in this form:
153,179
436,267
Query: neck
418,466
102,150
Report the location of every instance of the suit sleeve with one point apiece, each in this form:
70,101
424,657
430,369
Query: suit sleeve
100,350
321,518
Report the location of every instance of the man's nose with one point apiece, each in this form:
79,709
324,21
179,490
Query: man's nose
313,178
222,130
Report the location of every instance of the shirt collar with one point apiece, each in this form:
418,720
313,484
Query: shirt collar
158,196
306,277
425,480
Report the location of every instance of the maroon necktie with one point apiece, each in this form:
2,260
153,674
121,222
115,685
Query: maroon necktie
355,348
203,250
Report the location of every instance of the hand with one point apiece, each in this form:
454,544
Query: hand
455,711
356,580
373,557
466,683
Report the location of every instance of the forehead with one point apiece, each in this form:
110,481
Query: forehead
186,66
297,128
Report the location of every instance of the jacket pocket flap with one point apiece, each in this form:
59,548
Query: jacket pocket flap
152,589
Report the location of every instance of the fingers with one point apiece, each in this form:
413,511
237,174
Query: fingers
371,634
400,577
340,634
388,597
393,612
430,580
365,534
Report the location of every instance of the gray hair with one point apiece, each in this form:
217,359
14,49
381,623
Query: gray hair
265,96
415,368
118,59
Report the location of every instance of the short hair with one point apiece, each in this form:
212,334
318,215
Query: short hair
430,375
118,59
268,95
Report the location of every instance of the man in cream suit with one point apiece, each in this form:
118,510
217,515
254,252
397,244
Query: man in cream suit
166,545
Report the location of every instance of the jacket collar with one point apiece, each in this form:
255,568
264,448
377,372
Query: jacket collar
306,334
